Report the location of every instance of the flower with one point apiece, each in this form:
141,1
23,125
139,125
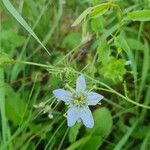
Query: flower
79,101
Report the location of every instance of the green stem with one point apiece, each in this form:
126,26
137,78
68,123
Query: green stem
96,81
2,99
2,105
30,63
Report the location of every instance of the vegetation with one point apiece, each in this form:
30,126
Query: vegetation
46,45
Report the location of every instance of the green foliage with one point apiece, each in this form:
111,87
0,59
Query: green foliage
71,40
19,18
11,40
145,144
111,33
124,139
135,44
82,16
141,15
103,51
94,2
93,12
99,10
102,128
114,69
97,24
121,43
14,106
74,131
103,122
4,59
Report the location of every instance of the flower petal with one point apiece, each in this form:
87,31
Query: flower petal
93,98
72,116
87,117
80,84
63,95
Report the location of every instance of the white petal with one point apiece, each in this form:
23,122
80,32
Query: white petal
72,116
93,98
80,84
63,95
87,117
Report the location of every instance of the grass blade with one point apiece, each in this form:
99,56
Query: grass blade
126,136
19,18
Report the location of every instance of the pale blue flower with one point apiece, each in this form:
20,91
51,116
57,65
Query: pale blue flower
79,102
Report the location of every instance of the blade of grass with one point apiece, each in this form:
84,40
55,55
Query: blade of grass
49,142
16,69
52,30
145,68
2,106
63,138
145,143
78,143
4,126
146,102
124,139
19,18
28,100
17,132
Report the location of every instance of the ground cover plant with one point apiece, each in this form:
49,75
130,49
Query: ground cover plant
75,75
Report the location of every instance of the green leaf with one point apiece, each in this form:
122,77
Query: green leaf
71,40
14,106
94,2
135,44
101,129
99,10
93,12
124,139
146,144
103,51
78,143
82,16
74,132
141,132
145,67
140,15
19,18
4,59
97,24
103,122
93,143
114,69
121,42
10,40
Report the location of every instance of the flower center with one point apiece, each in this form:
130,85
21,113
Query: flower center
79,100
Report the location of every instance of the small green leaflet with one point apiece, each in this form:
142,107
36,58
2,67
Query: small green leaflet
93,12
140,15
99,10
82,16
103,51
